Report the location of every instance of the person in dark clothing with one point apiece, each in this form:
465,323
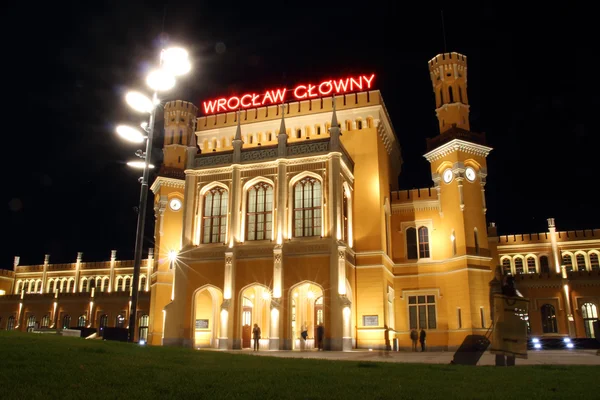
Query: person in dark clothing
414,337
256,336
320,336
422,338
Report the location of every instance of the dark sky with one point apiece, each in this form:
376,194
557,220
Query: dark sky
531,76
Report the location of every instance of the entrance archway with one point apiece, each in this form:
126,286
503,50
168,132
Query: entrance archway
306,311
255,309
205,317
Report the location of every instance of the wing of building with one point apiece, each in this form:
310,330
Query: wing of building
290,217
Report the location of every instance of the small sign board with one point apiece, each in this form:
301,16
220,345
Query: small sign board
370,320
201,324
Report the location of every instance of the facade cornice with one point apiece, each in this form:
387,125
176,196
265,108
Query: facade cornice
561,245
167,182
466,257
418,205
457,145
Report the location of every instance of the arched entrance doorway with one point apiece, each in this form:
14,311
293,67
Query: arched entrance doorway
306,311
205,323
255,309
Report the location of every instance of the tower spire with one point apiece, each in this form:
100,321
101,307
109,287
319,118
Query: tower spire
334,131
238,131
282,136
237,141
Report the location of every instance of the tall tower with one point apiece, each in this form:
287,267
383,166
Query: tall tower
448,73
180,125
459,170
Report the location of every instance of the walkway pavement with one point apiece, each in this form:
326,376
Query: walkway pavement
535,357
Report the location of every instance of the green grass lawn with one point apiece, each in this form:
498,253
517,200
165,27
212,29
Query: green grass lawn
53,367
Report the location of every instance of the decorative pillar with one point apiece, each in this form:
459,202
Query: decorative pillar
149,268
555,252
281,200
235,206
77,271
482,175
459,181
162,206
226,340
111,277
274,342
44,275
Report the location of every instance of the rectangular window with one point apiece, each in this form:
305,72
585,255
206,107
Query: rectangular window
459,318
422,312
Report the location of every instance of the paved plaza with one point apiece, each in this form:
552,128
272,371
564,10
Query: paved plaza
535,357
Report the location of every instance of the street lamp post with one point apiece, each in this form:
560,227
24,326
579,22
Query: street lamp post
173,61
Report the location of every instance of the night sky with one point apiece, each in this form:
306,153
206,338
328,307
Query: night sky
531,79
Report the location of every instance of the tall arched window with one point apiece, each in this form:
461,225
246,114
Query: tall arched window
51,286
411,244
142,286
38,286
423,242
31,323
530,265
18,287
144,327
81,321
476,238
127,284
359,124
214,219
10,325
544,266
594,264
590,315
84,285
549,319
518,265
120,321
307,207
45,321
103,323
66,322
71,286
451,94
580,262
259,212
344,216
506,266
568,262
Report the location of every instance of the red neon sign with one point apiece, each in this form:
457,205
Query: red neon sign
299,92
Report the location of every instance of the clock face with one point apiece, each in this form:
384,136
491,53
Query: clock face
448,175
470,174
175,204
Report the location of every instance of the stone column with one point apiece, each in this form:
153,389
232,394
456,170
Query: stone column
44,275
77,271
281,201
226,338
111,277
555,253
234,207
274,341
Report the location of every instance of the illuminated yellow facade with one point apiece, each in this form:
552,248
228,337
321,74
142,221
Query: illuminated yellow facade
289,216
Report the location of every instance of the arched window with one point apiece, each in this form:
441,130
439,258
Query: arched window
568,262
344,216
144,327
506,266
451,94
120,321
544,266
259,212
549,319
318,129
531,265
119,285
307,207
31,286
214,220
298,133
359,124
84,285
51,286
105,281
10,325
580,262
460,94
127,284
103,323
30,323
476,238
590,315
518,265
142,284
71,286
63,285
18,287
81,321
66,322
594,264
423,242
45,321
411,244
38,286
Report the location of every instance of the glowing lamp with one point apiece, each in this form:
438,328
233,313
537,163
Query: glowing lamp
172,255
139,164
130,134
160,80
139,102
142,342
175,60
